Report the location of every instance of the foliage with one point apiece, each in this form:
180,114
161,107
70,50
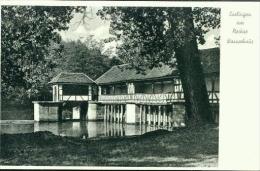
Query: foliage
150,34
86,57
155,35
27,33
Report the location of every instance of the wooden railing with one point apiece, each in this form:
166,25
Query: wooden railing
213,96
152,98
74,98
143,98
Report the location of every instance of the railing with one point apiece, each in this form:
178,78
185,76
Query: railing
213,97
74,98
143,98
152,98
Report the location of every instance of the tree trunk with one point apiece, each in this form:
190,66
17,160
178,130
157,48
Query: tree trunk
192,76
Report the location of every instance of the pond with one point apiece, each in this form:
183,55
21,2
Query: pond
82,129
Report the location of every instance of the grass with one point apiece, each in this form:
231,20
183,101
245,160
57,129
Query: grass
181,147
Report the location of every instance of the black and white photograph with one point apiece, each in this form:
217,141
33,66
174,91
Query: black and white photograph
110,86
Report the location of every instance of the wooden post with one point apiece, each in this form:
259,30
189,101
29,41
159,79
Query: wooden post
159,115
121,113
149,114
164,114
113,88
118,112
60,92
99,90
105,112
90,92
172,115
212,91
167,118
108,112
112,113
144,114
130,88
140,121
154,115
115,120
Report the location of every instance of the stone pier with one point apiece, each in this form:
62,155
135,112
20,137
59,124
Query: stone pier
47,110
92,111
60,111
76,113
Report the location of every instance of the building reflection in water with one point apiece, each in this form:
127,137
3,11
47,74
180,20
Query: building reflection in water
82,129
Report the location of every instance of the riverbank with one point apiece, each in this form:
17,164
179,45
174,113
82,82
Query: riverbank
197,147
16,113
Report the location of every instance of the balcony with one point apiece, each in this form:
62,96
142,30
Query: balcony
152,98
74,98
143,98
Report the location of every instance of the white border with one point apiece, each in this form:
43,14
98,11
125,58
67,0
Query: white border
239,110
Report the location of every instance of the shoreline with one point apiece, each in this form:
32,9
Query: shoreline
184,147
17,121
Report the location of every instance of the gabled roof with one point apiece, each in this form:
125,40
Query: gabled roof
122,73
71,78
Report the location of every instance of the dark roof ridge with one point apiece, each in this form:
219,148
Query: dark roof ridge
56,78
78,73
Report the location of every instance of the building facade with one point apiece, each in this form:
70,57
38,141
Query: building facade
72,96
155,96
122,95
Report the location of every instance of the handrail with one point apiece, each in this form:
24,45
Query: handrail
155,98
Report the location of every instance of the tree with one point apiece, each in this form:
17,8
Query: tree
27,33
86,57
153,35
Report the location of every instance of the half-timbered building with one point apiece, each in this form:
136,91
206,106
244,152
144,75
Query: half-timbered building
122,95
72,94
155,97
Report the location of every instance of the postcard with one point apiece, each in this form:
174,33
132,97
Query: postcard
146,85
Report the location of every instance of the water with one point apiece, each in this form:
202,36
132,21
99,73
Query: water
83,129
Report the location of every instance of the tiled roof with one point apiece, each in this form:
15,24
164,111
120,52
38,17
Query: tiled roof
121,73
71,78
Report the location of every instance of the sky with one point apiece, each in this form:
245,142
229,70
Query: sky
99,29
